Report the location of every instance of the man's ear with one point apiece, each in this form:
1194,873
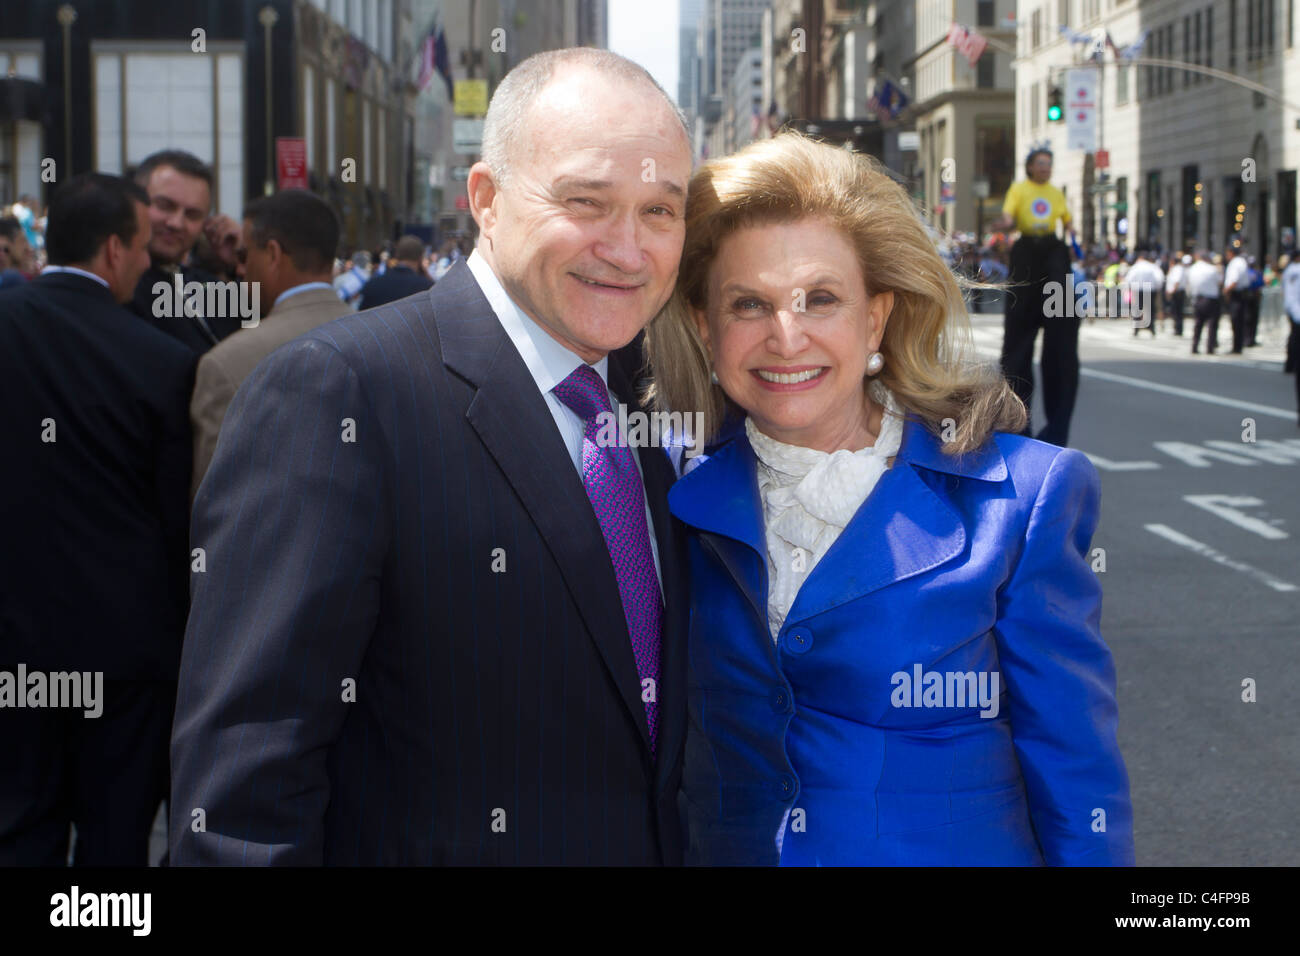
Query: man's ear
483,192
275,252
114,252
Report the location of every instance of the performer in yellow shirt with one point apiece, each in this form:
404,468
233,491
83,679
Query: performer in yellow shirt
1038,257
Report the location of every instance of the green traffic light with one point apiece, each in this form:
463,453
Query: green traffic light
1053,114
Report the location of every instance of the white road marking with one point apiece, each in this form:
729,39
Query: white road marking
1199,457
1105,464
1287,413
1225,506
1178,538
1274,411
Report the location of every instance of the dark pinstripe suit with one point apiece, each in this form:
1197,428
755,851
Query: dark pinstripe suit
482,697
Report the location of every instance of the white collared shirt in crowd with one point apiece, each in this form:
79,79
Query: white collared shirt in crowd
73,270
1291,291
1234,275
1177,278
1202,279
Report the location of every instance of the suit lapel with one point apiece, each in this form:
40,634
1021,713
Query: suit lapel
720,497
902,529
511,418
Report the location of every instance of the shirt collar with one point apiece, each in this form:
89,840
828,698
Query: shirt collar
549,362
303,287
48,270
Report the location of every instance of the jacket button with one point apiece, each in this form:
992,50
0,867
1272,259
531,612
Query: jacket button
780,700
785,787
798,640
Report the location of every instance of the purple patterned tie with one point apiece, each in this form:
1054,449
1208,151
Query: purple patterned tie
617,496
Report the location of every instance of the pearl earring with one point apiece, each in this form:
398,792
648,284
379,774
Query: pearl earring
714,377
875,363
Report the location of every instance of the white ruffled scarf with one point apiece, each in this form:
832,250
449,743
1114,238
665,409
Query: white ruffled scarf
809,497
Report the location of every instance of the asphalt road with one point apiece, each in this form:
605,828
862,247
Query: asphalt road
1201,532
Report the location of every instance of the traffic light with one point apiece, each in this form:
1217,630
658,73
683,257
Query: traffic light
1055,105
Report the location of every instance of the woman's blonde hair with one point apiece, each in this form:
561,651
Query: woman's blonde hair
927,340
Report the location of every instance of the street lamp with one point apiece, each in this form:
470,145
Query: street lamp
268,17
67,16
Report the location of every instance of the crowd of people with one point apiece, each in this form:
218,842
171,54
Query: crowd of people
123,323
377,587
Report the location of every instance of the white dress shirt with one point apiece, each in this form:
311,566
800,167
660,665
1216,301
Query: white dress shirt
73,270
810,496
1177,278
550,363
1202,279
303,287
1235,274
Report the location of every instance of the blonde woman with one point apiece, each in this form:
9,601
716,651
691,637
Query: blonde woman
895,654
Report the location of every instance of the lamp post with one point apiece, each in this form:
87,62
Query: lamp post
268,17
67,15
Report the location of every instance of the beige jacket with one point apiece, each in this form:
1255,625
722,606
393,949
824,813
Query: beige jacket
223,369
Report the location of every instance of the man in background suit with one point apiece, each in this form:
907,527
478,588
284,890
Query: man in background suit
404,276
440,623
94,511
288,248
179,185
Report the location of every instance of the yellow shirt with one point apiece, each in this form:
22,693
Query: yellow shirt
1035,207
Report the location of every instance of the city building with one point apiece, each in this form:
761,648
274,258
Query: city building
223,81
965,115
1183,158
484,40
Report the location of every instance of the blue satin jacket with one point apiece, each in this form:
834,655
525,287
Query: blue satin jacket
939,694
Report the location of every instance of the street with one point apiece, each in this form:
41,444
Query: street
1202,584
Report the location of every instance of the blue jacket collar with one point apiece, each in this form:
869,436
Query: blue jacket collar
908,527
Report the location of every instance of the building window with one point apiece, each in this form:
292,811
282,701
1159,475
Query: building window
1036,30
1169,51
1187,48
331,131
368,177
1232,34
983,14
1196,42
147,101
1152,204
309,113
1191,208
1121,84
1271,16
1209,40
1157,72
382,162
984,72
1063,13
995,154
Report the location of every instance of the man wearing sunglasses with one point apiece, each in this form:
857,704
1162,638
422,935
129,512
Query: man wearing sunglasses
179,185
